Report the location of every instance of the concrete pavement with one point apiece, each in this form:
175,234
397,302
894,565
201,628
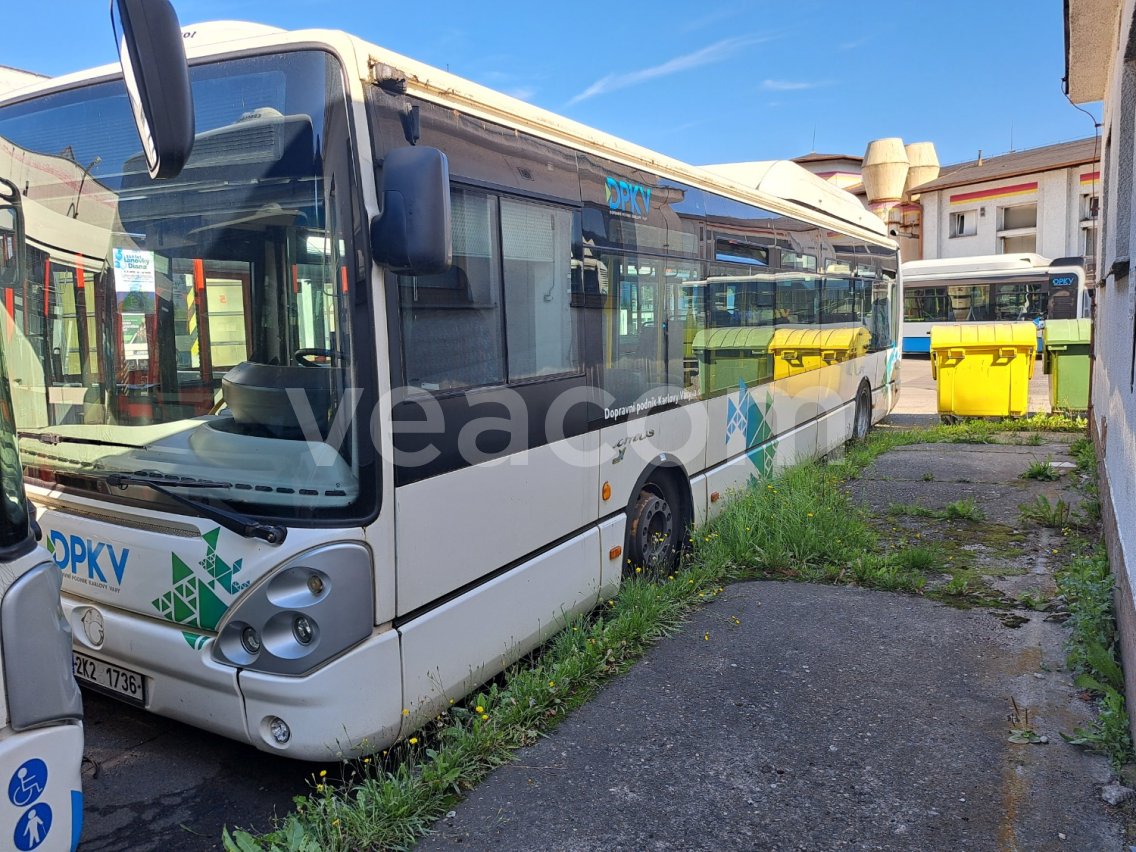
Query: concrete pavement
835,717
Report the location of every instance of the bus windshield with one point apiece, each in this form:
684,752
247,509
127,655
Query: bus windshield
199,327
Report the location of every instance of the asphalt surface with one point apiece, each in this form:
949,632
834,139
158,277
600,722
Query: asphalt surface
154,784
829,718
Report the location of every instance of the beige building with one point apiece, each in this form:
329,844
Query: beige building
14,78
1100,64
1041,200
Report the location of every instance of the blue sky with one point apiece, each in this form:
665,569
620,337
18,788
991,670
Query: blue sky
706,81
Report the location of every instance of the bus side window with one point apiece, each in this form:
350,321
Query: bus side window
452,323
540,322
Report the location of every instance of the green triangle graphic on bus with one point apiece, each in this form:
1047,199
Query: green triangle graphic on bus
199,598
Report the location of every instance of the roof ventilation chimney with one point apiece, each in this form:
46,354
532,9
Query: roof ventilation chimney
924,165
885,170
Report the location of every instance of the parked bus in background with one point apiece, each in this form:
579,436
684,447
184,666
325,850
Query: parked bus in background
989,288
400,373
41,711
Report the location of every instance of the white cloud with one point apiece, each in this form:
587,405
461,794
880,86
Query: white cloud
719,51
787,85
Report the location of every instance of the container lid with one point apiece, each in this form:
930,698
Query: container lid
745,337
1067,331
984,335
848,337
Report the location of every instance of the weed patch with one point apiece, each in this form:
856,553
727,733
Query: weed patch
964,510
1041,471
1057,515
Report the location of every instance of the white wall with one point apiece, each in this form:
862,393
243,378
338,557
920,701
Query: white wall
1113,396
13,78
1058,215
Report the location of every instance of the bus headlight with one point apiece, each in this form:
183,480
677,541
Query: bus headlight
306,612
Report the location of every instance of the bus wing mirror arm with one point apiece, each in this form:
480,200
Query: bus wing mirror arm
412,234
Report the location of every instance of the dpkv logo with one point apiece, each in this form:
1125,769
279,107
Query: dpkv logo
628,197
73,553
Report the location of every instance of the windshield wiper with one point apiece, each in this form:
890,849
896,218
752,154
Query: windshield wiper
52,438
241,524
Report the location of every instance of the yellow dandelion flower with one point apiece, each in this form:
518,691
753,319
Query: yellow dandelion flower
405,712
706,637
484,717
319,788
552,683
413,740
638,570
810,514
323,773
480,709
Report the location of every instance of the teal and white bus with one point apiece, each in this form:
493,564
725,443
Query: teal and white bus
398,374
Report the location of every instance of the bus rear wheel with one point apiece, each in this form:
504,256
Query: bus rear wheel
863,418
653,531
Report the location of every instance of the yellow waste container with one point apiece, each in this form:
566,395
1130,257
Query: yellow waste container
983,369
799,350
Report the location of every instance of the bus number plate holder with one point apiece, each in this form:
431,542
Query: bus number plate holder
123,684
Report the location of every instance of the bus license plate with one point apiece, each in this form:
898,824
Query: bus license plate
119,682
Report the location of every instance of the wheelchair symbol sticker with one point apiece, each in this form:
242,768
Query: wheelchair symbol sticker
33,827
27,784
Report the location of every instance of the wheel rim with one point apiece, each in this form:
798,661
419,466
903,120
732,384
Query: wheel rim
655,531
863,423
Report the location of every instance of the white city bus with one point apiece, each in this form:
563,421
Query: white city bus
353,424
989,288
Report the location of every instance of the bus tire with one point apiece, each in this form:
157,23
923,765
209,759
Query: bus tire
656,527
863,417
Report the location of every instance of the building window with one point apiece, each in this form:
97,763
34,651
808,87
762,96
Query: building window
1017,229
1019,244
1014,218
964,223
1090,207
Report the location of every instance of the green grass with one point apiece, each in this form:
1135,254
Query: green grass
1042,471
1057,515
1085,454
920,559
1093,654
801,525
965,509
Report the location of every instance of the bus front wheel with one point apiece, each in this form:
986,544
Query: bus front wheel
863,422
653,531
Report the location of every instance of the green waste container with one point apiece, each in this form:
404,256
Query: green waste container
983,369
1066,353
727,356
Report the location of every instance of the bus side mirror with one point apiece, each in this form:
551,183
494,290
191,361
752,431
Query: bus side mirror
412,234
152,54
